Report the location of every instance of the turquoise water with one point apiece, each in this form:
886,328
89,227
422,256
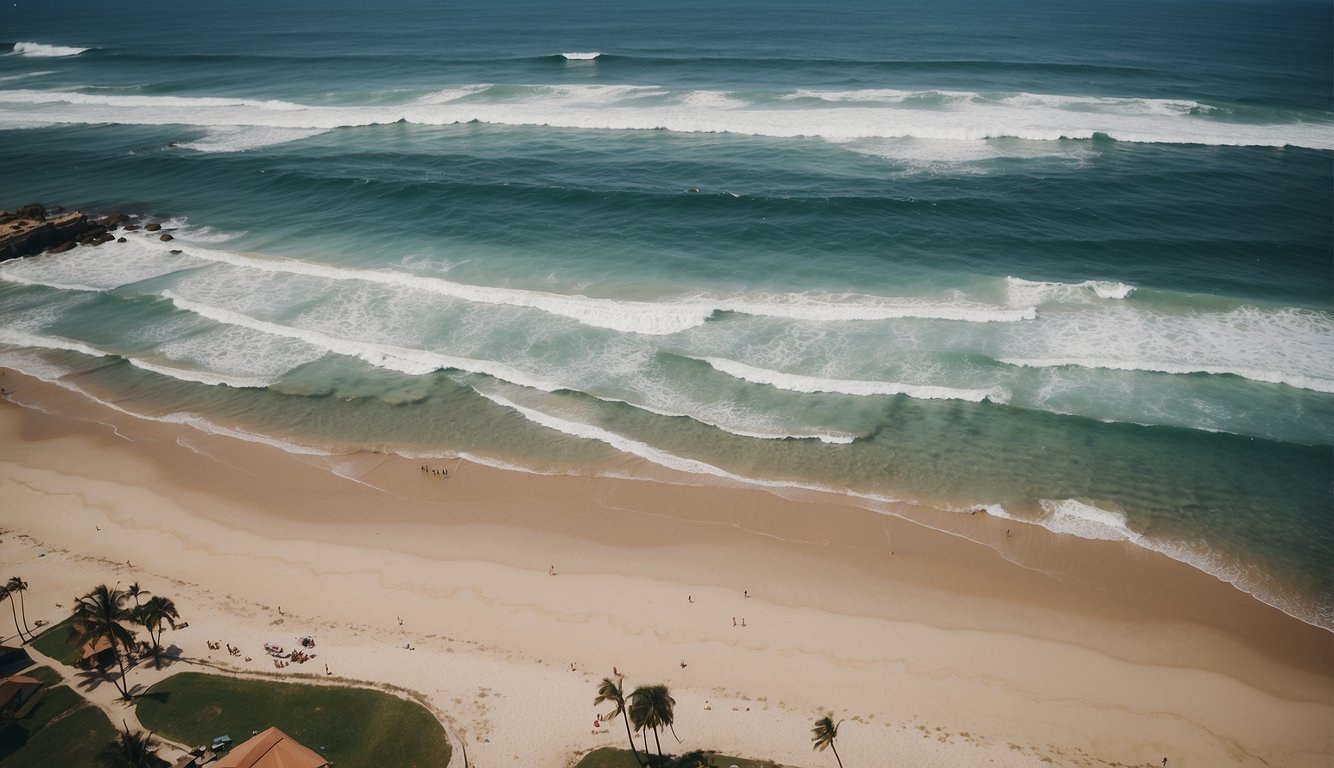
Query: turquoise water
1069,261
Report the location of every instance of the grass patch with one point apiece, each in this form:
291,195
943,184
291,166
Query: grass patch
611,757
351,727
57,729
54,642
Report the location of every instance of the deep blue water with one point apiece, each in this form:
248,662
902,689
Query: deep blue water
1068,260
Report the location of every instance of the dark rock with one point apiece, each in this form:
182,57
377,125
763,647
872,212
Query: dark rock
131,227
120,239
152,227
32,211
65,246
114,220
165,237
176,251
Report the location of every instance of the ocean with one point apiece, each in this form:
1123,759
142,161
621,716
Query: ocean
1067,262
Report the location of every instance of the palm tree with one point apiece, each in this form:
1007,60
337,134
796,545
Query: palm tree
99,614
823,734
4,595
134,750
135,591
153,614
20,586
651,706
612,690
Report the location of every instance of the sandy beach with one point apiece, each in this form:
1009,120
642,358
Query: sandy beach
954,640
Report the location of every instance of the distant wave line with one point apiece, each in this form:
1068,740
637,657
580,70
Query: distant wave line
1297,381
963,117
812,384
643,317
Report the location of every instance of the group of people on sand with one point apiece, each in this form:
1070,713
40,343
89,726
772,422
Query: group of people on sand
216,645
434,471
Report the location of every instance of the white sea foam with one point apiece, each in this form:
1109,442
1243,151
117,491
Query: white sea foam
581,55
39,341
1274,345
1161,366
619,442
244,137
625,316
1077,518
40,50
392,357
25,75
100,268
850,115
798,383
1028,292
862,307
649,318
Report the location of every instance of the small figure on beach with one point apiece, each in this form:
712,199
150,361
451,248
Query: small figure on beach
551,570
326,670
615,672
743,622
280,610
400,620
683,663
734,621
745,593
690,598
1164,762
1007,533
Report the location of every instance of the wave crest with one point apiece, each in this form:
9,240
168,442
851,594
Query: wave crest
40,50
810,384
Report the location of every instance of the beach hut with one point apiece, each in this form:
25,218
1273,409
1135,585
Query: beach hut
271,748
15,690
96,652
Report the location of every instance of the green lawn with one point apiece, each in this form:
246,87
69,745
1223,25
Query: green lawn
609,757
54,642
352,727
57,729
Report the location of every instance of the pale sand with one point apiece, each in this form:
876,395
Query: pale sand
961,648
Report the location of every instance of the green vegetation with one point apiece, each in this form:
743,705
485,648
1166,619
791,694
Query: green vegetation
55,642
352,727
609,757
57,729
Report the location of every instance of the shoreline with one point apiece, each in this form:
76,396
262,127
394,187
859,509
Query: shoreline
1032,639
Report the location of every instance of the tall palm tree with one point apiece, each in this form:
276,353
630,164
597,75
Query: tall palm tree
99,614
4,595
153,615
823,734
651,706
20,586
612,690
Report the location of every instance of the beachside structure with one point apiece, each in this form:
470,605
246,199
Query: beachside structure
15,690
13,659
271,748
96,653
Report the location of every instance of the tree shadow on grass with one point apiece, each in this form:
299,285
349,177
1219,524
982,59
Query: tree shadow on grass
90,680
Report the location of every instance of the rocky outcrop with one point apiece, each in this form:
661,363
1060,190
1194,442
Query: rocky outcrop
32,229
